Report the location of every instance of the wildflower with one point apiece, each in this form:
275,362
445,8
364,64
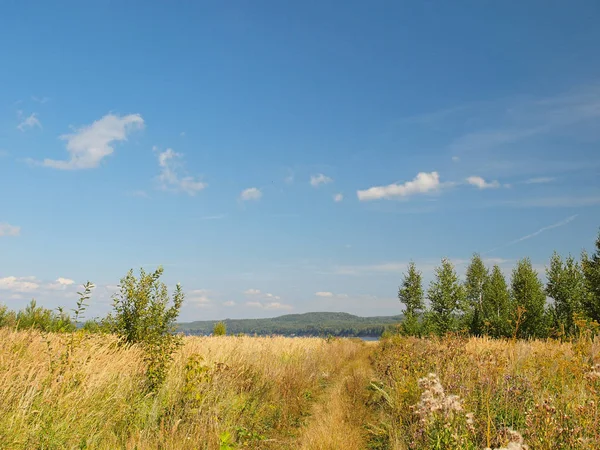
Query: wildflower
516,441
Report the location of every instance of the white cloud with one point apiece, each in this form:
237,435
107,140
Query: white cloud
229,303
64,281
7,229
251,194
198,297
182,134
422,183
90,144
270,305
28,122
60,284
455,159
319,179
170,178
540,180
19,284
338,198
324,294
274,297
482,184
252,292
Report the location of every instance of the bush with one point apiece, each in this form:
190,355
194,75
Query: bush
220,329
142,315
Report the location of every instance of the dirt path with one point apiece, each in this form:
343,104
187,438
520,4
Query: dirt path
337,420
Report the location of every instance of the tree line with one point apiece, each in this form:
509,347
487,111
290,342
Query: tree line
487,304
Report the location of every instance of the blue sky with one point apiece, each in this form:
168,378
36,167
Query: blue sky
284,157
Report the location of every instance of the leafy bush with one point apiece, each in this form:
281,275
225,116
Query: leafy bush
220,329
142,315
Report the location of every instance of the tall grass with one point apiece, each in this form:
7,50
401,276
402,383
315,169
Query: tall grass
483,393
220,392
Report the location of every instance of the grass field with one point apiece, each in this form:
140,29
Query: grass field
77,391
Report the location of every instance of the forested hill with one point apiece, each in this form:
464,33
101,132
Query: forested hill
308,324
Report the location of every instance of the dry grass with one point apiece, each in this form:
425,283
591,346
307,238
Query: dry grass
221,392
279,393
545,391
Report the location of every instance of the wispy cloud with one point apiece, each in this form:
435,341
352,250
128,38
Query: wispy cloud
521,119
7,229
251,194
319,179
565,201
269,305
535,233
539,180
171,179
90,144
326,294
28,122
422,183
40,100
338,198
482,184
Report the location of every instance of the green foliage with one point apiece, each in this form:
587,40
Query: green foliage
411,294
220,329
411,291
446,296
496,304
39,318
142,315
591,272
8,318
527,295
476,277
566,285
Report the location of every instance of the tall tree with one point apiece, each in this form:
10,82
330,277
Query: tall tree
566,286
446,295
476,277
496,304
411,294
528,298
591,272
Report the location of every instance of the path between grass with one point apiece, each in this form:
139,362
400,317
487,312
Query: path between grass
338,419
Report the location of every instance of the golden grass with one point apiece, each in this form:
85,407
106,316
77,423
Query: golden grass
220,392
542,389
309,394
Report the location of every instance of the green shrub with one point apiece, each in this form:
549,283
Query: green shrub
142,315
220,329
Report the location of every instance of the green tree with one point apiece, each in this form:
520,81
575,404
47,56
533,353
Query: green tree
446,295
220,329
476,277
411,294
143,315
566,286
496,304
591,272
527,296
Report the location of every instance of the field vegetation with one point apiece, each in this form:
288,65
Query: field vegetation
482,363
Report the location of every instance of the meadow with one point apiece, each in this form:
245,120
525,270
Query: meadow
82,390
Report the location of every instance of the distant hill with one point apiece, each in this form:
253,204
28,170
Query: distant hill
308,324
